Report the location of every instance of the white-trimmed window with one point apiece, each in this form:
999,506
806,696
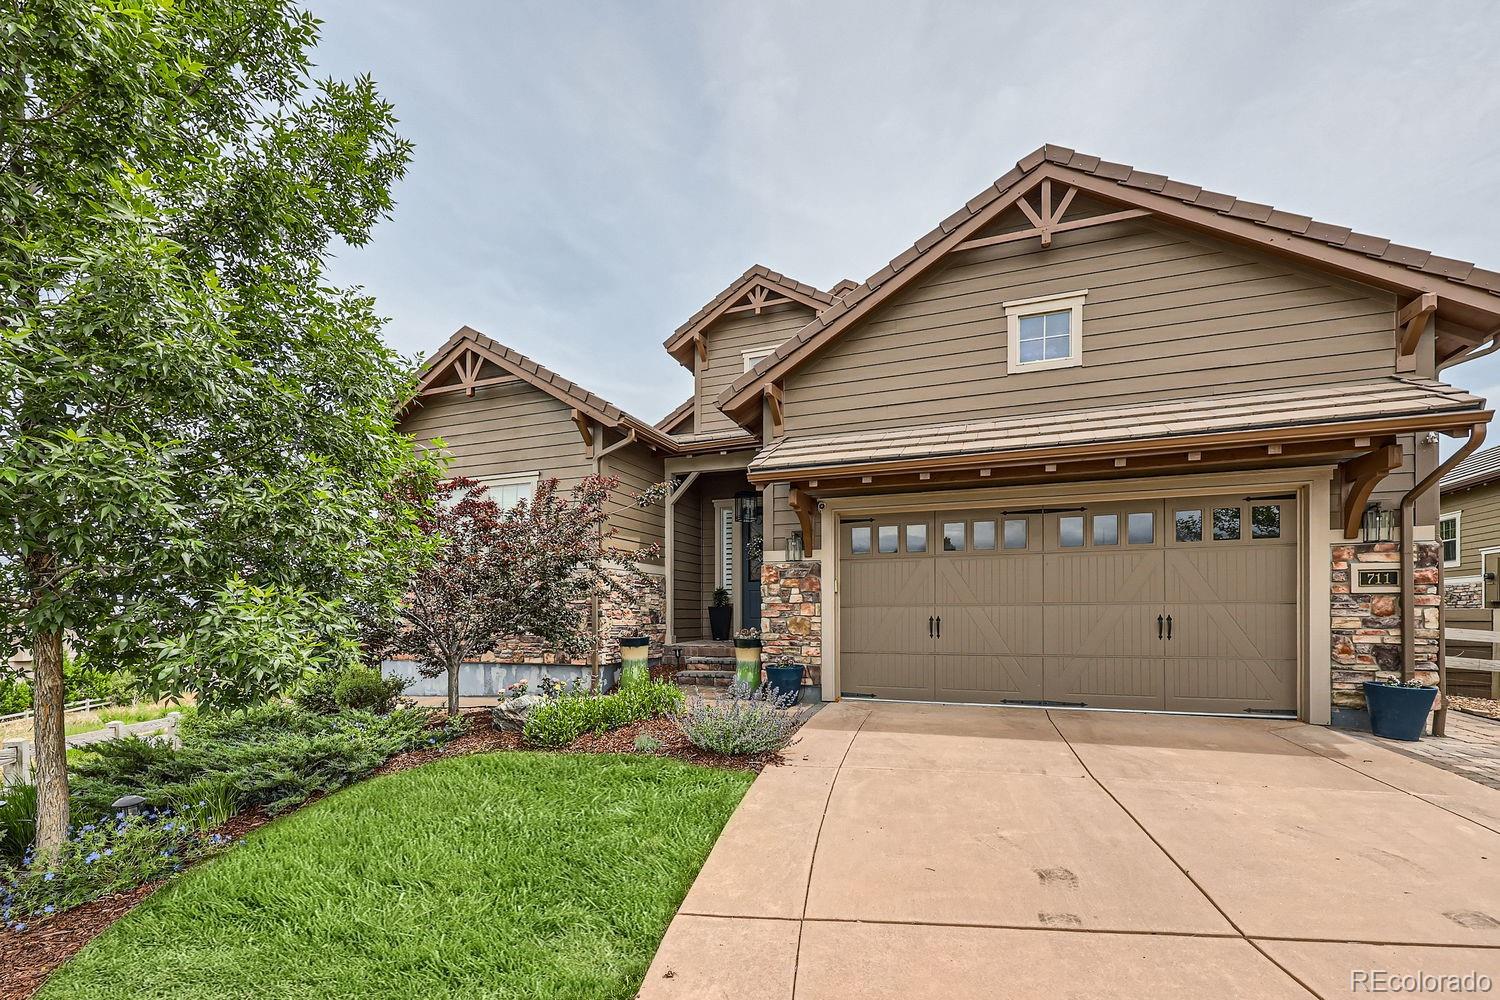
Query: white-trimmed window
509,490
1044,332
756,355
1448,536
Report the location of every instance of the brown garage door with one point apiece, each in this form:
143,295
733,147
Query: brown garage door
1186,605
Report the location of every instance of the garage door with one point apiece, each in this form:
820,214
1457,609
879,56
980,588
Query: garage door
1184,605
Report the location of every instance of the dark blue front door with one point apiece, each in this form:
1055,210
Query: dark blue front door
750,560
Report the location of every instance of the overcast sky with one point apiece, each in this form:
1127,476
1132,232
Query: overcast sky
588,175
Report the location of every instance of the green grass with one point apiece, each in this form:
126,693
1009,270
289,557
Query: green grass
517,875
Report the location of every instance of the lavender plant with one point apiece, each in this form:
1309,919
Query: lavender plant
744,723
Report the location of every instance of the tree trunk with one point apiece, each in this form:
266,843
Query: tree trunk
453,668
51,742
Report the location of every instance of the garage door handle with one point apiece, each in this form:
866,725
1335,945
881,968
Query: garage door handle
929,627
1169,626
1158,626
940,626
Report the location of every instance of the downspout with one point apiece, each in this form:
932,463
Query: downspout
1408,570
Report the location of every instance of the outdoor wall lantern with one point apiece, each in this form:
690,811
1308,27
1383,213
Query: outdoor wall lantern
794,548
1379,524
745,508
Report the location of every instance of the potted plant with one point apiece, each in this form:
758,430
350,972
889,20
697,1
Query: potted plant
784,676
635,653
1398,709
747,657
720,614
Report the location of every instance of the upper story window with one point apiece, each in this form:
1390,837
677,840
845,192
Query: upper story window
756,355
1448,535
1044,332
507,491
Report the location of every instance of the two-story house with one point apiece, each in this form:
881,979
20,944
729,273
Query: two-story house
1100,438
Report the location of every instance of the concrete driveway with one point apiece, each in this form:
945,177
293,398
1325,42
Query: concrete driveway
932,852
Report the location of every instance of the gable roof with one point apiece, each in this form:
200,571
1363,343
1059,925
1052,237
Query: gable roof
1476,470
679,413
679,345
1468,296
513,362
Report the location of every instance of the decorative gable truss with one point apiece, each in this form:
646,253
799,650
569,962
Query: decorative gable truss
470,361
753,292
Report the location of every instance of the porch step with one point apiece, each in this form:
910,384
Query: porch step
687,650
705,678
710,661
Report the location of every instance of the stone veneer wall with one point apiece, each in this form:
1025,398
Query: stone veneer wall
638,608
1464,595
791,614
1367,627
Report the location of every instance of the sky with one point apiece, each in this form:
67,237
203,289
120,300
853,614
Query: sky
587,175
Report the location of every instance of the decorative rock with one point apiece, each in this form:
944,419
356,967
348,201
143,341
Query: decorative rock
510,715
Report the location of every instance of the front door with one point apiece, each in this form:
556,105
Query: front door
752,554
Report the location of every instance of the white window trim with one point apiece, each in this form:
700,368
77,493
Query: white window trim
1458,546
510,479
721,507
754,355
1018,308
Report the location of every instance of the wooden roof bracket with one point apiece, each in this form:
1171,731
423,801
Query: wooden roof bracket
1412,321
1360,477
803,505
582,423
778,412
700,344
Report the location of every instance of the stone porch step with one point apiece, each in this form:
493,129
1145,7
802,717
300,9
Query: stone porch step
710,661
704,678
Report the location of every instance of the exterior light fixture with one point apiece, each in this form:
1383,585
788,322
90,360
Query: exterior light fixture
1379,524
130,805
746,508
794,547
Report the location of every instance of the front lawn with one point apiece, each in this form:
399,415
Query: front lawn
513,875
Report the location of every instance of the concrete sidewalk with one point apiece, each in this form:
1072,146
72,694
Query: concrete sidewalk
930,852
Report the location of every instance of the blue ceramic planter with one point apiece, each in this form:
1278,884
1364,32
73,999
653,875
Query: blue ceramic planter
1398,713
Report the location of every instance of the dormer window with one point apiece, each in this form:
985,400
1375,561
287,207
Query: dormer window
1045,332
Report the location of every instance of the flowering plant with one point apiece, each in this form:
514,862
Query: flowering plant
99,859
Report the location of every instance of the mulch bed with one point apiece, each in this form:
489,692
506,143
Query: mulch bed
1487,707
27,959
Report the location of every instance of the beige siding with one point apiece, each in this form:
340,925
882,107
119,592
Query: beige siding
1168,314
689,617
726,340
638,469
1478,525
504,430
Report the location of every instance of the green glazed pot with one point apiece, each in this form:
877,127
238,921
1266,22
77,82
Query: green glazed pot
747,662
635,667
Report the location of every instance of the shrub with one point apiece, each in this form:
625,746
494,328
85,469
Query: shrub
274,756
744,723
364,690
15,696
360,688
646,743
80,683
558,723
100,859
17,821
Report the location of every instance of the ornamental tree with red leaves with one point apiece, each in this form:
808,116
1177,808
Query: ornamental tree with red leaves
496,574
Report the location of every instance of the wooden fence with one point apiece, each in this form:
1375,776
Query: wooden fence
1470,641
17,757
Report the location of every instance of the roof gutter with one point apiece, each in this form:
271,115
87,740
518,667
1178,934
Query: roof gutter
1408,570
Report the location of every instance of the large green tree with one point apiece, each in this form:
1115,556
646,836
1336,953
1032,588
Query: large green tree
195,429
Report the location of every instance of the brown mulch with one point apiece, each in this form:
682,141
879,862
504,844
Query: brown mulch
1488,707
27,959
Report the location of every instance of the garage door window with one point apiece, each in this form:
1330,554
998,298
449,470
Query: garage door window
1265,522
1140,528
1106,529
1015,534
888,538
1226,524
984,535
1070,531
916,538
953,536
1190,525
859,541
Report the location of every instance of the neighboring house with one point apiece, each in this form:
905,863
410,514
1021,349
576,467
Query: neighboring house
1099,438
1469,529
